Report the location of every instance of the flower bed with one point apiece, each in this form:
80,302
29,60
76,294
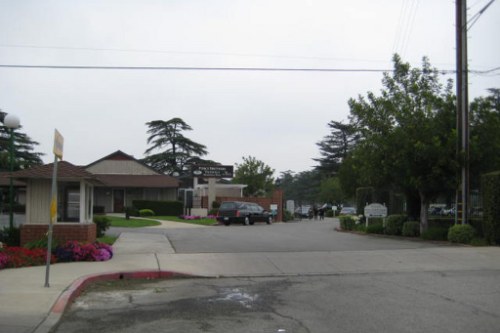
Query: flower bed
14,256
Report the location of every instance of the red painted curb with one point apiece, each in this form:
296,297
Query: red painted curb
77,287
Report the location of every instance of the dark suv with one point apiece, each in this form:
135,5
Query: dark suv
242,212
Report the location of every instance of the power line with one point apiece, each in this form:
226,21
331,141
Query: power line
241,69
476,16
173,52
178,68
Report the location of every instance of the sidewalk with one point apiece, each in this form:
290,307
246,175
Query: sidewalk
27,306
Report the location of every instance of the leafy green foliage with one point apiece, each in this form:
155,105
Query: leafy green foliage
347,222
174,208
408,138
484,136
102,224
146,212
394,224
330,191
375,228
411,229
10,236
435,233
25,156
257,175
176,151
335,146
491,208
461,233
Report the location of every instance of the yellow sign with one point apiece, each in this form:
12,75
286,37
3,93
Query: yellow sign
53,210
58,144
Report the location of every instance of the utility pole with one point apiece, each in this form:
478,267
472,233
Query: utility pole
462,110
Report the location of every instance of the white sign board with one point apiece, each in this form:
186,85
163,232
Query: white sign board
375,210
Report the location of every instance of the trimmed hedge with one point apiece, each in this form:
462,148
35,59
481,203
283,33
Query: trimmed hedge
394,224
375,228
461,233
435,233
490,187
411,229
146,212
161,208
347,222
102,224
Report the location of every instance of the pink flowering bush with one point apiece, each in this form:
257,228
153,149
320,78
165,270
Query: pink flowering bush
75,251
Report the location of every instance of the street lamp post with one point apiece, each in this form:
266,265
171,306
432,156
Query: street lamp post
11,122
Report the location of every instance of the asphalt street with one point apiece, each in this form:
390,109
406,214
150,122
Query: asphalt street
371,300
424,302
304,236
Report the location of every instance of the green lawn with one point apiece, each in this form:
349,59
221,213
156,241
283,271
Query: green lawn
204,221
110,240
132,223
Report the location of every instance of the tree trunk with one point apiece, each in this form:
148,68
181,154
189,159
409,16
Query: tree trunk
424,204
413,203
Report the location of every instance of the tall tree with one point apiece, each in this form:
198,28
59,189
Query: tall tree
484,135
335,146
409,139
257,175
176,151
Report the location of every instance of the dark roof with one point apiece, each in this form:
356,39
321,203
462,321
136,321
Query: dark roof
5,180
151,181
120,156
65,170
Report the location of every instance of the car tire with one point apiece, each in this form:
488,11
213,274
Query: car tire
269,220
247,220
226,223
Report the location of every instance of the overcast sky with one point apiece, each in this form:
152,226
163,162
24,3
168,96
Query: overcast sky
276,117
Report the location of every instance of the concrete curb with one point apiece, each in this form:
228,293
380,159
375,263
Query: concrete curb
78,286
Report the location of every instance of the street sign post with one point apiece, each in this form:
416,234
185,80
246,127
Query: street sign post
58,154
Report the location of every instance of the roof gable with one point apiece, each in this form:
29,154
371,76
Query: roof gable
120,163
65,170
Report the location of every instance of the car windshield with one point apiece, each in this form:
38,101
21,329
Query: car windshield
228,205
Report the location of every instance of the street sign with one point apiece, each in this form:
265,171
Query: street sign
213,171
58,144
375,210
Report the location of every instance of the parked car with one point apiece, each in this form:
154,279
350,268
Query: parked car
246,213
348,211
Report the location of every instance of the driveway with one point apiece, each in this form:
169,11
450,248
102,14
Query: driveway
303,236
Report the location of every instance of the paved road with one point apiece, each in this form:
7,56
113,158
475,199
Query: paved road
424,302
304,236
423,297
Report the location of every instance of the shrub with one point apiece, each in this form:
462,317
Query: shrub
461,233
287,216
411,229
435,233
10,236
41,244
161,208
215,205
14,256
376,228
347,222
75,251
146,212
479,242
329,213
102,224
490,186
131,211
394,224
